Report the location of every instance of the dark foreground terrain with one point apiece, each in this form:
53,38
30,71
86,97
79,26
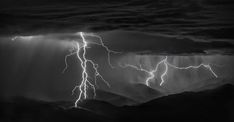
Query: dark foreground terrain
209,105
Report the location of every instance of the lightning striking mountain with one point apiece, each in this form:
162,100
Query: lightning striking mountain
80,51
152,73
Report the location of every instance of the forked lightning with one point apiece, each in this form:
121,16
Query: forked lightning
166,64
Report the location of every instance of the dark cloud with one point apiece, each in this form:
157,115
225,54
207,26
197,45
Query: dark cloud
143,43
198,18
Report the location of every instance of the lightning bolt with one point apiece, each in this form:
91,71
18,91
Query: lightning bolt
166,64
80,51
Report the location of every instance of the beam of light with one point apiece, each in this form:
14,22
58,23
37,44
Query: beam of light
25,38
166,64
80,51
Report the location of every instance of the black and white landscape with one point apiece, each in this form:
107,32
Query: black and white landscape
36,36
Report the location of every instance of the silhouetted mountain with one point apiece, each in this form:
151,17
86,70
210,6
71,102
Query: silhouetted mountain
24,109
209,105
114,99
141,92
207,84
100,107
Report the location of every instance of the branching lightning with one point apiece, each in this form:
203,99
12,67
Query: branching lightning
166,64
80,51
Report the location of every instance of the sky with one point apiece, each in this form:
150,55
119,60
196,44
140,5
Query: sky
188,32
33,67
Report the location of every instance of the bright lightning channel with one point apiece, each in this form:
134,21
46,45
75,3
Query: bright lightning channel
80,51
166,64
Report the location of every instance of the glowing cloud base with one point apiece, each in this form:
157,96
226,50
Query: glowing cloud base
166,64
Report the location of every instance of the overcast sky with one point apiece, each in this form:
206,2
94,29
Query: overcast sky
144,31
